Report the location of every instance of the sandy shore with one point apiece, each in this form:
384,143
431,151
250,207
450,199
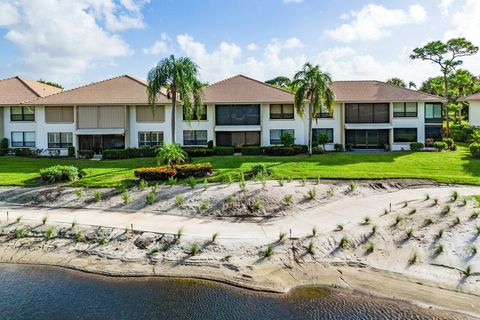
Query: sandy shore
375,258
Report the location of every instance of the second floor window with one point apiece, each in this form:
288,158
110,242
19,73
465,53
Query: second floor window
324,113
60,139
367,113
194,137
23,113
433,112
201,116
404,109
281,111
235,115
23,139
150,139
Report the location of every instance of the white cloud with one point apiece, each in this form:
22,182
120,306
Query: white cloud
159,47
252,47
293,43
8,14
445,5
374,22
61,39
292,1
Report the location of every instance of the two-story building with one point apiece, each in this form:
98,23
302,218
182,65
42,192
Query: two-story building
238,111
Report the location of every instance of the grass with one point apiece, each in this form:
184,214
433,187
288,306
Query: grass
20,233
194,249
179,200
270,251
312,194
103,240
48,234
311,247
370,247
150,198
445,167
343,242
413,259
214,237
287,199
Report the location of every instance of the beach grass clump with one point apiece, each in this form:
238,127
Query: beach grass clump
79,236
317,180
405,204
103,240
44,220
230,199
192,182
352,186
280,182
288,199
154,188
456,221
204,204
256,203
303,182
79,192
439,249
439,234
48,234
270,251
398,219
214,237
366,221
412,211
229,179
281,236
314,231
427,221
241,183
142,184
343,242
150,198
171,181
97,196
311,248
477,230
374,230
180,200
312,194
445,210
20,233
205,184
413,258
385,212
468,271
427,197
194,249
474,215
472,250
369,247
125,197
435,201
463,203
153,250
18,219
73,225
454,195
179,234
339,227
408,233
331,191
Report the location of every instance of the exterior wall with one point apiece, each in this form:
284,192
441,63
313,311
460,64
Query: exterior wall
335,123
144,126
474,113
297,124
104,117
408,122
208,125
1,123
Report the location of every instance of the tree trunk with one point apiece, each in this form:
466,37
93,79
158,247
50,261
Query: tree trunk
174,110
447,117
310,120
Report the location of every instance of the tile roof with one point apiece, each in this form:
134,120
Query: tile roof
16,90
119,90
475,96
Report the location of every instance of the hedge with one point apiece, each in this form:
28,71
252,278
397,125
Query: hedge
180,171
223,151
3,146
87,154
129,153
285,151
198,151
251,151
440,145
416,146
23,152
60,173
475,150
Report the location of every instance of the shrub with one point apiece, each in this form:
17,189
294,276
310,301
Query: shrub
251,151
440,145
20,233
3,146
85,154
194,249
179,199
416,146
338,147
343,242
223,151
259,169
269,252
150,198
450,144
98,196
129,153
312,194
155,173
285,151
210,144
71,152
461,132
287,139
192,182
322,139
125,196
198,151
318,150
23,152
193,170
48,234
287,199
60,173
170,154
475,150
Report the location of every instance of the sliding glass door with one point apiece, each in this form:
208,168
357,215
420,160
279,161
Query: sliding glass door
367,139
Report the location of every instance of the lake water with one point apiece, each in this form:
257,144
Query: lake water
34,292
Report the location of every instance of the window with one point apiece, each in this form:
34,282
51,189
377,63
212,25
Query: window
150,139
276,135
324,113
433,133
404,109
23,139
367,113
60,139
203,115
245,114
317,132
194,137
433,112
405,135
281,111
22,114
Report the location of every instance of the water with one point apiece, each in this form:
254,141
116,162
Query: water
32,292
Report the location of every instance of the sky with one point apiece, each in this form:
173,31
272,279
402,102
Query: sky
75,42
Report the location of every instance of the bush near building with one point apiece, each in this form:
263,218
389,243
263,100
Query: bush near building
179,171
60,173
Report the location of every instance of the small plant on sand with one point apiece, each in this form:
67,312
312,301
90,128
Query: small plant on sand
303,182
385,212
435,201
370,247
366,220
98,196
270,251
20,233
405,204
281,236
472,250
374,230
314,231
192,182
179,200
287,199
154,188
463,203
205,184
194,249
413,211
474,215
227,258
456,221
230,199
352,186
154,250
408,233
439,249
241,182
150,198
398,219
427,197
343,242
311,247
312,194
125,197
229,179
214,237
103,240
454,196
280,182
172,181
142,184
339,227
468,271
44,220
439,234
477,230
256,203
48,234
413,258
263,182
74,223
79,192
331,191
19,218
427,221
204,205
79,237
179,234
317,180
445,210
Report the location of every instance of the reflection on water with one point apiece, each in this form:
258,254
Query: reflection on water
31,292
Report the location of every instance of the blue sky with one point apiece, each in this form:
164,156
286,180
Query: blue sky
80,41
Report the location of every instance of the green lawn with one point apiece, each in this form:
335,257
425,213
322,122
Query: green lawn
446,167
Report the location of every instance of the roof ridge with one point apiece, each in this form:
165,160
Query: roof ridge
252,79
407,89
29,87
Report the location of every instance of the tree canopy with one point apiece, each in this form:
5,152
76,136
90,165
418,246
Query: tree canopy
397,82
50,83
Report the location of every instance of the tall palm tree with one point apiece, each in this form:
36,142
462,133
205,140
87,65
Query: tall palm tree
179,76
316,86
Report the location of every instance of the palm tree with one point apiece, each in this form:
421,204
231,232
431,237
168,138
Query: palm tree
180,78
316,86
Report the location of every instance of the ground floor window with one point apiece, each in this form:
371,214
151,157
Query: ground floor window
317,131
238,139
150,139
23,139
276,135
405,135
60,139
433,133
366,139
98,143
194,137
